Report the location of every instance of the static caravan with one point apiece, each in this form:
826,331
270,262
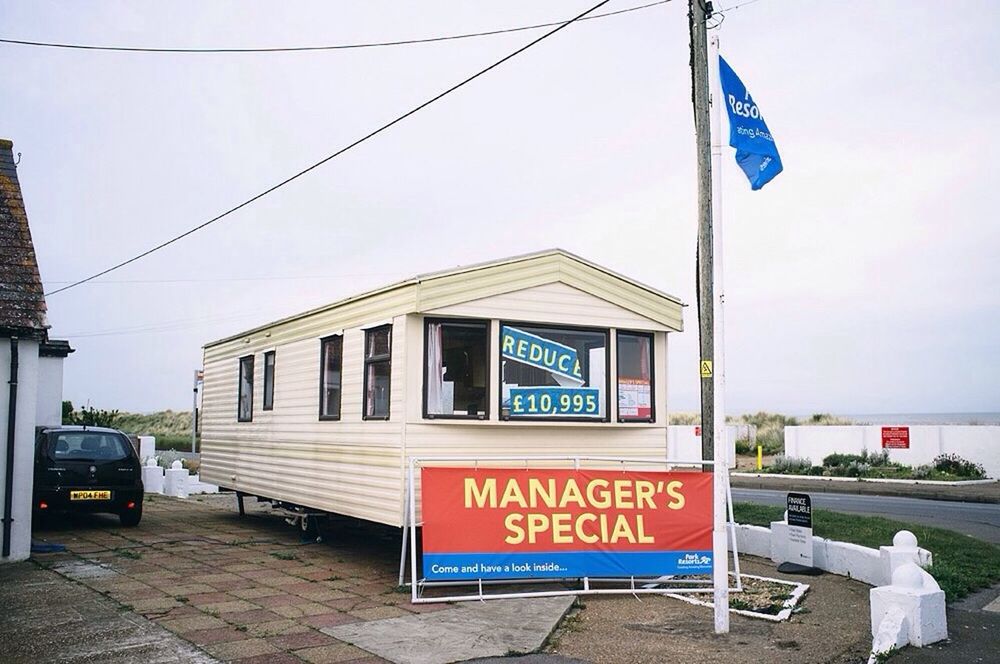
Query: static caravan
540,354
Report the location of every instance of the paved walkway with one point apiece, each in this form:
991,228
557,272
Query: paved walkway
46,618
249,590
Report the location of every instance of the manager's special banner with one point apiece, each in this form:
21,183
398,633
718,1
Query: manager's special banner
516,523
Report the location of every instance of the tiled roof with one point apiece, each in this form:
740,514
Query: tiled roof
22,303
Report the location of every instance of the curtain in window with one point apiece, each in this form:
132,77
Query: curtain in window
435,370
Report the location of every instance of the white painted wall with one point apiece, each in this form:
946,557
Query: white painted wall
980,444
48,409
24,441
684,442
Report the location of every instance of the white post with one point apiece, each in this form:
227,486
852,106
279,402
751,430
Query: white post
198,374
720,573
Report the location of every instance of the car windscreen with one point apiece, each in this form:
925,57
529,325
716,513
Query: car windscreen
87,446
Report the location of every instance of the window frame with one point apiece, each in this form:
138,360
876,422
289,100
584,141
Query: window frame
485,323
575,328
652,376
268,403
387,358
239,389
322,378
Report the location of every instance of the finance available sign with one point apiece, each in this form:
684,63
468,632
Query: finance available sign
517,523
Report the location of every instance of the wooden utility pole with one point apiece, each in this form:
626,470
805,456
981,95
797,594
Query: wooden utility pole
706,295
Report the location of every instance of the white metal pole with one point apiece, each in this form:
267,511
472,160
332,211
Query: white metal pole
720,572
194,412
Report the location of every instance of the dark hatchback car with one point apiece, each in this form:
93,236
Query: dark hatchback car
87,469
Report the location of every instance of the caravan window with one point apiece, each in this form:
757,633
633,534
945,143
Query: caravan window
331,363
378,349
635,377
553,373
269,380
456,369
245,407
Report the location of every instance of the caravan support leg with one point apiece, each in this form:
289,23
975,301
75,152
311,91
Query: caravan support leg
239,502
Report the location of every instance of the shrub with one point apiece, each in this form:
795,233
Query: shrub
923,472
786,465
89,416
840,460
956,465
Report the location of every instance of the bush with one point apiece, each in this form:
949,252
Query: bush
89,416
923,472
840,460
956,465
786,465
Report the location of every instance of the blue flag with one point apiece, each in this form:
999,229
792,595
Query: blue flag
756,152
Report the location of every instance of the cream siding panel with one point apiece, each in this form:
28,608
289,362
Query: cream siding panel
624,294
349,467
552,302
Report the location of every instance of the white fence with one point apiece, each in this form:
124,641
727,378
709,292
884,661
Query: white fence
978,443
684,441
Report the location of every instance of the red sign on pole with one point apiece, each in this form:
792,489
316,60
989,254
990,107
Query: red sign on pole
895,438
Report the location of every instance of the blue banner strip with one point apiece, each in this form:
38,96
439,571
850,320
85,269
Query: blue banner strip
564,564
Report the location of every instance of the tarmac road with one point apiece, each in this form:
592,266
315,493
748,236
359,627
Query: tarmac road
980,520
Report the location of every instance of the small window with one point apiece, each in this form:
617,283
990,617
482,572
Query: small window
456,369
331,363
245,410
269,380
635,377
553,373
378,350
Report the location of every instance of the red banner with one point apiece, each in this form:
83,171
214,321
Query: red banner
550,520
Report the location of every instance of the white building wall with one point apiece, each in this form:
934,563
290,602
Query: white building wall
980,444
24,441
48,409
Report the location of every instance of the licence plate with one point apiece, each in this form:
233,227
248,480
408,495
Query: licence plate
90,495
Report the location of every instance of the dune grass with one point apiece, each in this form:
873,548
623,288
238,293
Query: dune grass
962,564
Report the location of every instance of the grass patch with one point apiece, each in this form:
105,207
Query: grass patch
284,555
962,564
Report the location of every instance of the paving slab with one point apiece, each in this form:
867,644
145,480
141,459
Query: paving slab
76,624
469,630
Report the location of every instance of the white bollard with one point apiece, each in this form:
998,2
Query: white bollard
909,611
904,550
152,476
147,447
175,480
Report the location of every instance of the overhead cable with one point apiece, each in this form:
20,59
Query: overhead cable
329,157
327,47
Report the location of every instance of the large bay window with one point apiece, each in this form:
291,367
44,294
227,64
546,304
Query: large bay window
553,373
331,365
378,353
635,377
456,369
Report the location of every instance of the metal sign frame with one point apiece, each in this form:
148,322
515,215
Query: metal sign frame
630,586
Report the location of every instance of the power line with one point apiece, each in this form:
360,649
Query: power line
339,152
228,279
329,47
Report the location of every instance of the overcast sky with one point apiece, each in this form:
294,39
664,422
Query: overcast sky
863,279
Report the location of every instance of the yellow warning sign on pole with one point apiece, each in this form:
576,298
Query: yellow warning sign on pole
706,368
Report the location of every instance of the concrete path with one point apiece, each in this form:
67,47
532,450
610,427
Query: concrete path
468,630
46,618
980,520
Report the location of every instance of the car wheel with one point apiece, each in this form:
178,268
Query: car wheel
130,518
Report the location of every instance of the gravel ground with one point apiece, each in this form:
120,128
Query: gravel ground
833,627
